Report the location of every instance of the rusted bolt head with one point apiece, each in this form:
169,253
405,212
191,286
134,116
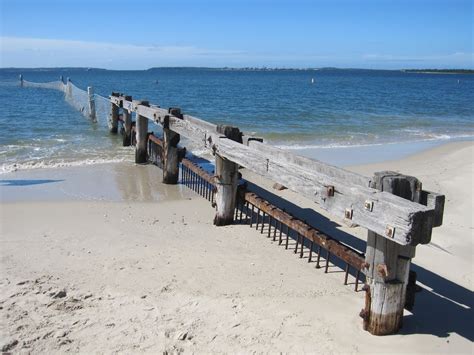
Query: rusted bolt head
330,191
368,205
348,213
382,270
390,231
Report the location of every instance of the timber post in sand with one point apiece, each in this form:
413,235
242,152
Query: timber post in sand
142,136
90,94
114,116
170,150
388,263
127,125
226,178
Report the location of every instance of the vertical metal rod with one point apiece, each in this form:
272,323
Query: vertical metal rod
287,236
270,220
297,242
258,217
302,245
319,257
275,230
310,251
242,205
263,222
328,255
251,217
356,288
281,232
347,274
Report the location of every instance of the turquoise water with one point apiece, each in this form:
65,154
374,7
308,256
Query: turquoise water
341,108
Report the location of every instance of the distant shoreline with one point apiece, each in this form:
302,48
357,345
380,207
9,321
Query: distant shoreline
262,68
439,71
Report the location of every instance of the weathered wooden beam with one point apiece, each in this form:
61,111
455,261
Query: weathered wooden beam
141,136
436,202
396,218
340,192
388,264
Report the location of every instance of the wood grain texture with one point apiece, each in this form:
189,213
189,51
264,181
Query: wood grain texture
410,223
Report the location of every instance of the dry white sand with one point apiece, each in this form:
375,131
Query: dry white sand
94,276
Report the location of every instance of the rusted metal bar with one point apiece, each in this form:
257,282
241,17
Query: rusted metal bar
335,247
203,183
302,245
328,255
280,234
319,257
356,287
346,274
155,139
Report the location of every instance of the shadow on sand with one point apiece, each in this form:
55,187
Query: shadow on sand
28,182
443,307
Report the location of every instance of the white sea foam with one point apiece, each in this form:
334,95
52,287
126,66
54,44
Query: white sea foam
11,167
423,138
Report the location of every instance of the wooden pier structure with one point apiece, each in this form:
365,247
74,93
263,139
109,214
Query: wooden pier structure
398,214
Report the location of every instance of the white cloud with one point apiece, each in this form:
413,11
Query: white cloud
37,52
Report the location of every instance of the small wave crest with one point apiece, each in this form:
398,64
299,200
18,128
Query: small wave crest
421,137
29,165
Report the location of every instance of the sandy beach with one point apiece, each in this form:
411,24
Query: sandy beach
105,258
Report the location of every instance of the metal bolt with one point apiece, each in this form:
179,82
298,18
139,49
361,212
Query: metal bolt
390,231
330,191
369,205
348,213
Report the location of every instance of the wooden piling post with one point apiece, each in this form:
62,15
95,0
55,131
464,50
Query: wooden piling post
127,125
227,178
388,263
142,136
90,94
114,115
21,80
170,150
68,87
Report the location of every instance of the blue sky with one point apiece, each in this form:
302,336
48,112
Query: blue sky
142,34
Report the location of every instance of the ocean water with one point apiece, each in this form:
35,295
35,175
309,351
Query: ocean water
342,108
